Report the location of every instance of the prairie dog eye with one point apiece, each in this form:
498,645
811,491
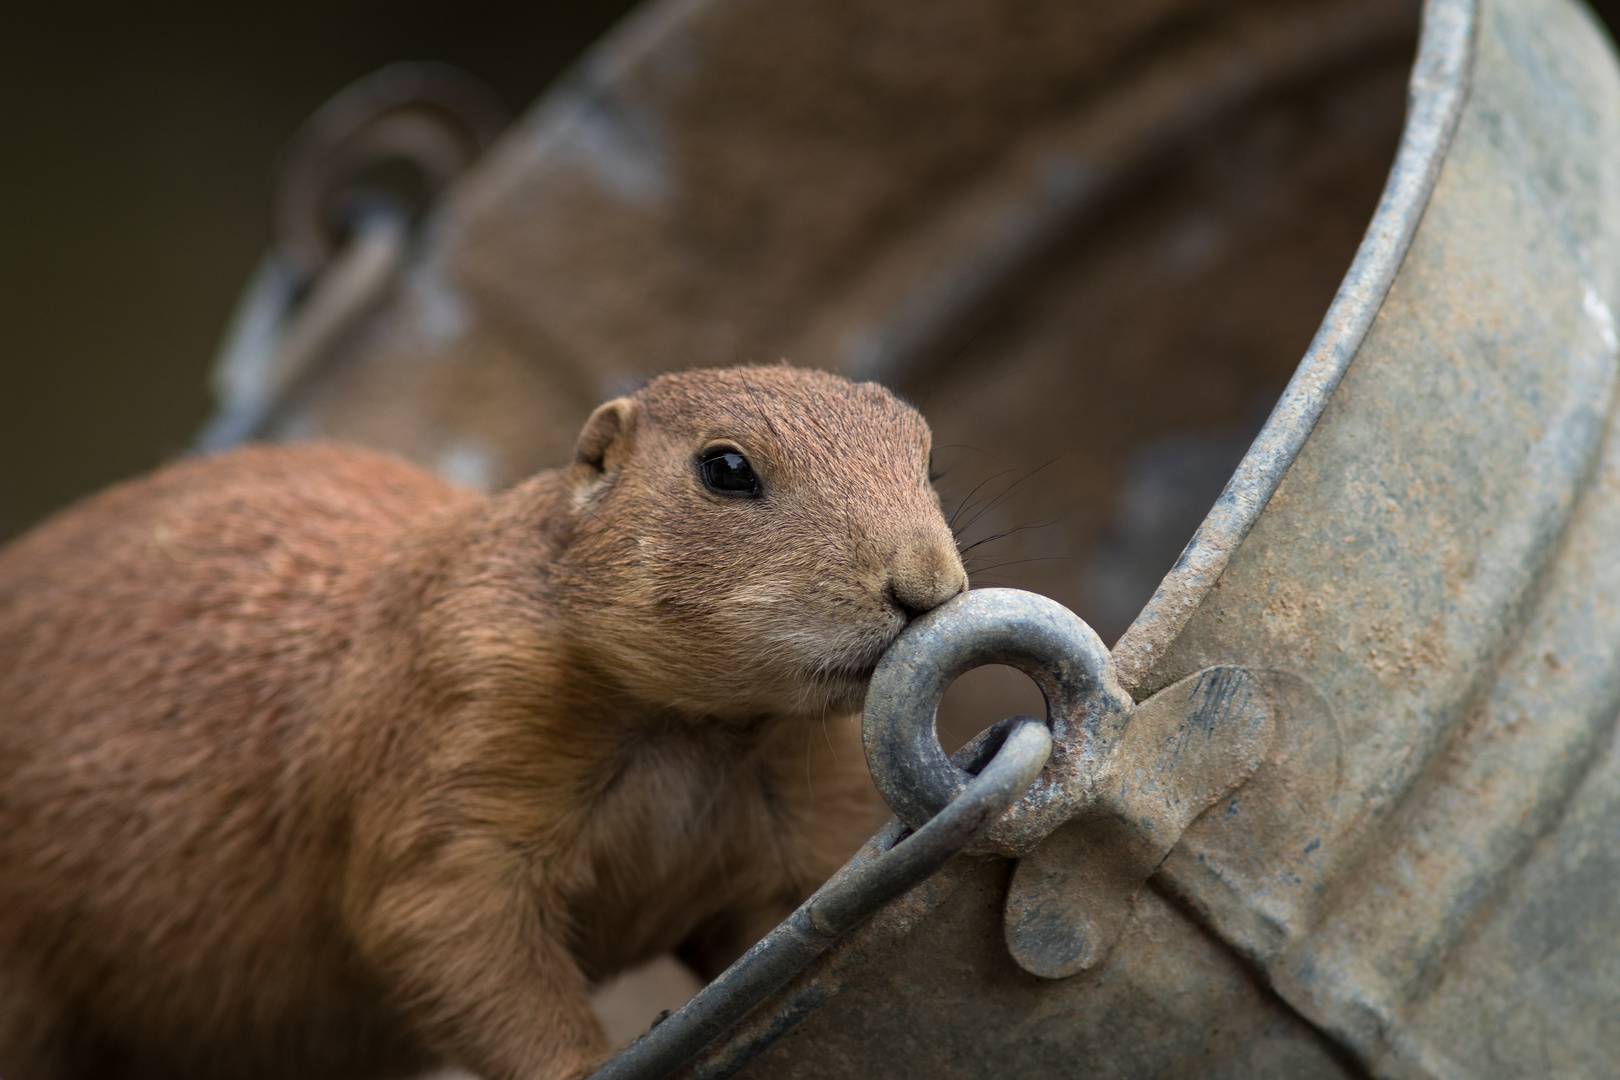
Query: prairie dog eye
726,472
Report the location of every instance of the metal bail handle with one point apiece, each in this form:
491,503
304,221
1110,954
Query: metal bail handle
1086,708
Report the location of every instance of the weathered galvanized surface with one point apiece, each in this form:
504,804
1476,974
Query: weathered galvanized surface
1437,564
1034,236
1185,749
1416,872
1439,85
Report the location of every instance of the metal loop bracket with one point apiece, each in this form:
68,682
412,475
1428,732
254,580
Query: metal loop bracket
433,117
341,244
1086,708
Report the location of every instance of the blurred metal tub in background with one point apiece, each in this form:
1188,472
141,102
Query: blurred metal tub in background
1092,242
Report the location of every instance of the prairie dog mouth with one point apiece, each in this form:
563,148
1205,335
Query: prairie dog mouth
843,687
840,671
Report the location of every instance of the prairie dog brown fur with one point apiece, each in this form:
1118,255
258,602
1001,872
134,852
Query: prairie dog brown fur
312,765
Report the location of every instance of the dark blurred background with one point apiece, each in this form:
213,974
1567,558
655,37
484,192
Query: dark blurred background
137,148
138,144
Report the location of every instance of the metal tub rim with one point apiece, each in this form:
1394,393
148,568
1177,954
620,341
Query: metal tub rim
1437,92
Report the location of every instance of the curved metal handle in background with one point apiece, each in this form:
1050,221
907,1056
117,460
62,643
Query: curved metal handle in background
432,118
340,245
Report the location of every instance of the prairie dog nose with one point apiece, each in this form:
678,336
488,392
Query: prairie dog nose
926,572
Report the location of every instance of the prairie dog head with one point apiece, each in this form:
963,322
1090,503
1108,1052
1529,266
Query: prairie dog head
749,541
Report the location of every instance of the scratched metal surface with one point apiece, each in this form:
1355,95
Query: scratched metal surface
1424,876
1439,563
1091,241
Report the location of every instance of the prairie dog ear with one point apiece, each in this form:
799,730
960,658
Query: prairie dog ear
608,436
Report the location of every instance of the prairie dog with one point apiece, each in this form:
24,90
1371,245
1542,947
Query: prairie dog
312,765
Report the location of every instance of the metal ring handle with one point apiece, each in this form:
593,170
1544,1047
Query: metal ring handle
1086,709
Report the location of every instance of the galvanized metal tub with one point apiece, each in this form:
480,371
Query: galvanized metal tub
1101,234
